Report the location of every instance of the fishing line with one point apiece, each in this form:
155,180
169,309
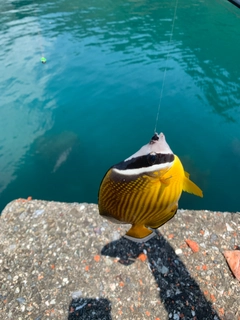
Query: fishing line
166,62
43,59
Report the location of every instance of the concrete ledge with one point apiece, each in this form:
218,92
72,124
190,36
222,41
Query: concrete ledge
63,261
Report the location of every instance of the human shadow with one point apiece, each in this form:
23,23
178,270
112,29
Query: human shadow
89,309
179,292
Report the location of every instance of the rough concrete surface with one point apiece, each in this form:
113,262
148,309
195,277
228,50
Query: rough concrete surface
64,261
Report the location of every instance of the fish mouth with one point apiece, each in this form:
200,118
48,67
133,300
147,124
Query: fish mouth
157,136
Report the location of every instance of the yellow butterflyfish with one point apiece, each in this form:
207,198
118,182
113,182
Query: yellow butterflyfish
144,189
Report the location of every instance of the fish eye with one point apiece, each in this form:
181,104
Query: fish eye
152,157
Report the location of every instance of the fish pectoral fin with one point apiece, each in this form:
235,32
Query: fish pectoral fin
190,187
165,180
138,231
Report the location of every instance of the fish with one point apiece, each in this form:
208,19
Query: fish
62,158
144,189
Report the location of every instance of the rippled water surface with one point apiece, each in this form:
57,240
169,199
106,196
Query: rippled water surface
95,101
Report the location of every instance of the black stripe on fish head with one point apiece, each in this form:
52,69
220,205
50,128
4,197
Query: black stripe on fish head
133,168
145,161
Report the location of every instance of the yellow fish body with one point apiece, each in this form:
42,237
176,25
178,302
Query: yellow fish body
144,189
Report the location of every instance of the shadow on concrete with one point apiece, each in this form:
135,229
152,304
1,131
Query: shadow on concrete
179,292
90,309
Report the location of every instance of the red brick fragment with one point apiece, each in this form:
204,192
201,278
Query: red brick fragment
193,245
233,260
212,297
142,257
221,311
97,258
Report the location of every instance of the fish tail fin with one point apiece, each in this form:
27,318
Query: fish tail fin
191,187
139,233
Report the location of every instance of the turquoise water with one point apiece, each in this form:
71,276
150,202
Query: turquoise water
95,101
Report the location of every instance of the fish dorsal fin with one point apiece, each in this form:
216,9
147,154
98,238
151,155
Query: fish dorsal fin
190,187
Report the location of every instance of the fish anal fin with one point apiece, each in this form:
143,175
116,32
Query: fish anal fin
191,187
